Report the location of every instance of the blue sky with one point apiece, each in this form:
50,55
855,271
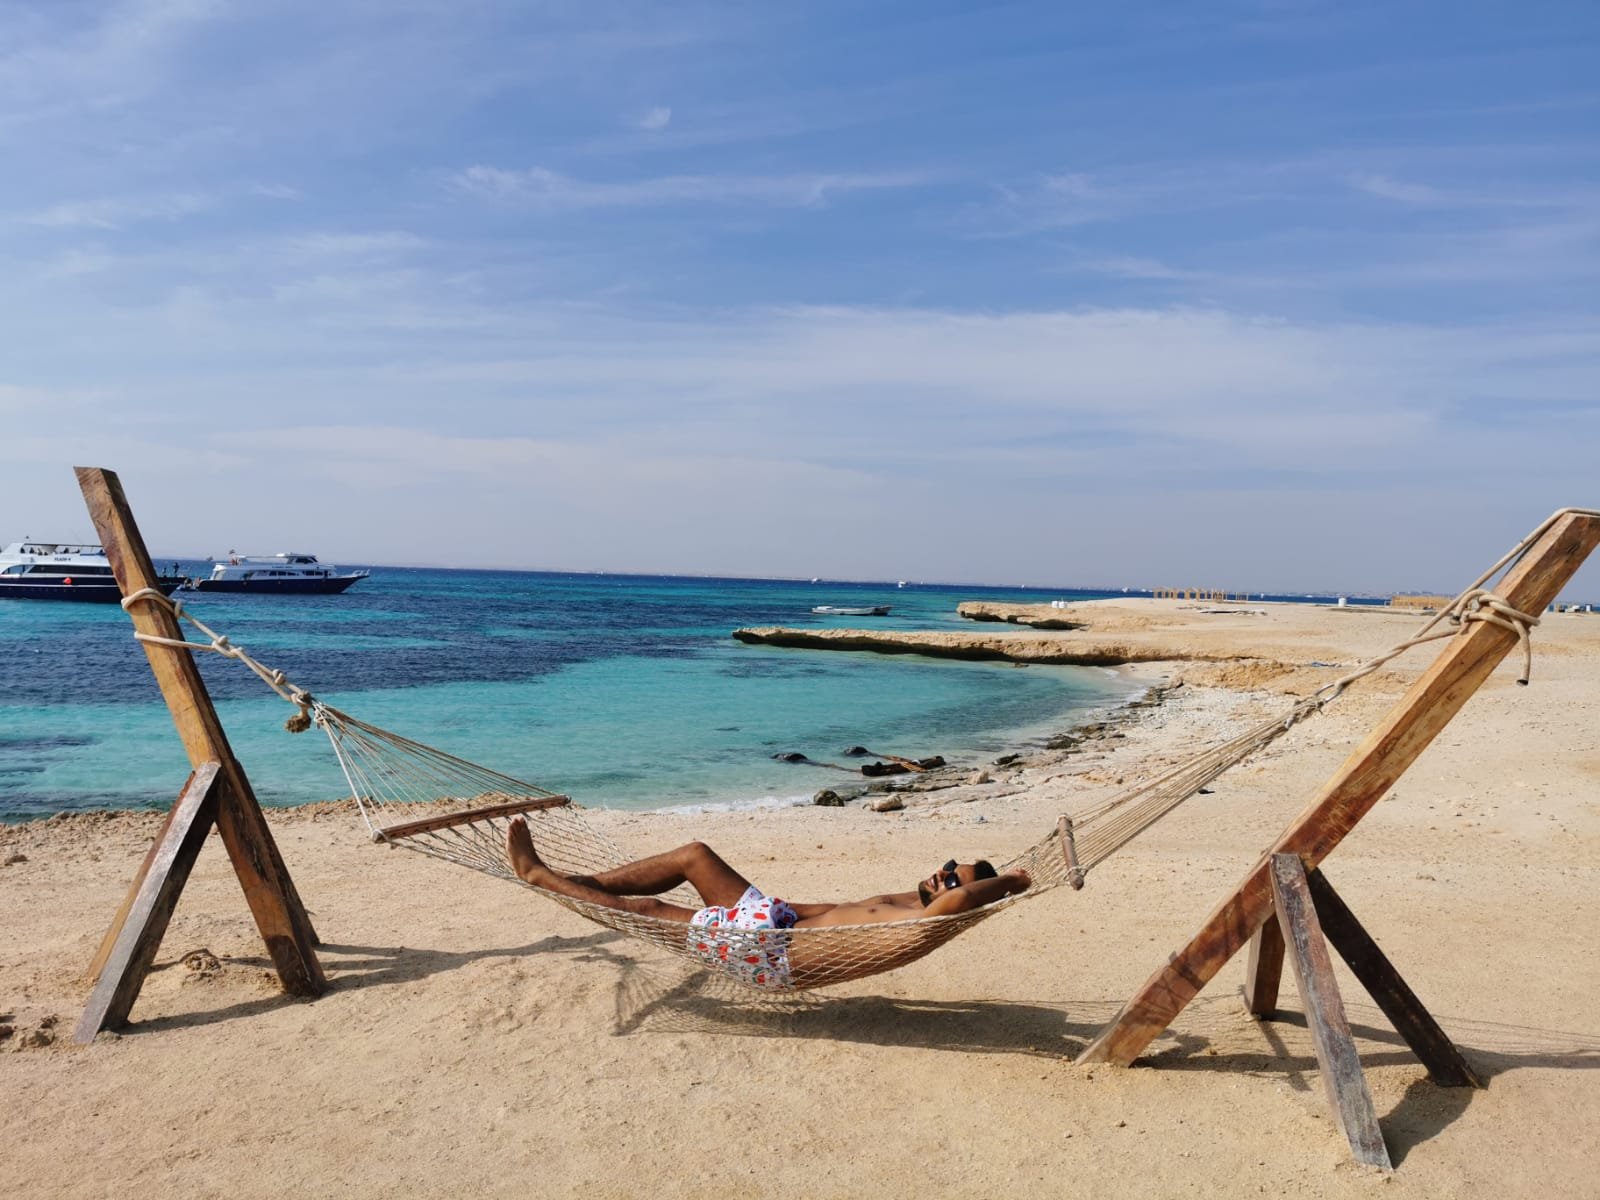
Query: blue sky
1249,295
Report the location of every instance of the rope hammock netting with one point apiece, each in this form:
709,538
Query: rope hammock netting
413,795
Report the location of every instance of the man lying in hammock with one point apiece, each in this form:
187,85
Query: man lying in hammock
727,932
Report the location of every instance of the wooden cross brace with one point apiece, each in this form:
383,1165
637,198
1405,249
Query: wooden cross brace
1308,911
1364,778
218,794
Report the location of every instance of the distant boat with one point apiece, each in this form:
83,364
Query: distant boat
837,610
276,574
56,571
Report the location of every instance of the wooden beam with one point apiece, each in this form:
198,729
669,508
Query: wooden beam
276,906
467,816
115,928
1346,1086
1446,1066
1264,970
1369,772
1069,850
136,933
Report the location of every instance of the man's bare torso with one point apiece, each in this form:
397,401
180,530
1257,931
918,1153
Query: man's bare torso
893,906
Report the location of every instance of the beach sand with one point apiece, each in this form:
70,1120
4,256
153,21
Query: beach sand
476,1040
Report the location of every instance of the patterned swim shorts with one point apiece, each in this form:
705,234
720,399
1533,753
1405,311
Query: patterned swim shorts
746,941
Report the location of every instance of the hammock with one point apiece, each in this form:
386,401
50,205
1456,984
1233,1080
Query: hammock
413,795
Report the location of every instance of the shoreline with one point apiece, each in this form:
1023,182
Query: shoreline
459,1004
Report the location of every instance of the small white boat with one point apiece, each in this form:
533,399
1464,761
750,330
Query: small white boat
842,610
280,574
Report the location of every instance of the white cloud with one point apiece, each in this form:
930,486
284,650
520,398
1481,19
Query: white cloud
115,212
1390,189
658,117
543,187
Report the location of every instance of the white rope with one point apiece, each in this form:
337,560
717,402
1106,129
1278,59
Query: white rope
219,644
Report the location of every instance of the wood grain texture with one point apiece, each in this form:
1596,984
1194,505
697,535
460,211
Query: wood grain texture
1264,970
1363,779
1369,964
269,891
136,933
1307,951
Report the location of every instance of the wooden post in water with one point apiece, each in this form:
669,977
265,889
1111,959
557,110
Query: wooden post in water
218,794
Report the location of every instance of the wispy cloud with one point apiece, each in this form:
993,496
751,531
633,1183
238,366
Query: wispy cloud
657,118
543,187
1390,189
119,211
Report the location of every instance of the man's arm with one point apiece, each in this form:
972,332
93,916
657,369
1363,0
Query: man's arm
977,894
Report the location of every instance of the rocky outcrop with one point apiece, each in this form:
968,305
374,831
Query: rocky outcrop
1019,647
1035,616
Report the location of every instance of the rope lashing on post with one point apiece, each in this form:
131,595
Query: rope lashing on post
1474,604
219,644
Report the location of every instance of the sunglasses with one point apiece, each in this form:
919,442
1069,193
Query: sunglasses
948,876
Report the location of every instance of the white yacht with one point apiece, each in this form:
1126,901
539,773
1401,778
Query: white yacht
297,574
80,571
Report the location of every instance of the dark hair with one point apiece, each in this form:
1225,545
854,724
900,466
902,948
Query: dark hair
982,869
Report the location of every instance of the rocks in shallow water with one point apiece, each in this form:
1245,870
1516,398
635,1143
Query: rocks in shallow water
790,756
1005,760
873,769
857,752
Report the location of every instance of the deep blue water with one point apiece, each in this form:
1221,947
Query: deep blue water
621,690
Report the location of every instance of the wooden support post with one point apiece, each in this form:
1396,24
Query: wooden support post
1446,1066
268,889
1264,970
135,935
1342,1079
1360,783
1069,851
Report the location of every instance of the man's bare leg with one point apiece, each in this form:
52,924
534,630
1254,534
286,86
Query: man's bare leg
630,886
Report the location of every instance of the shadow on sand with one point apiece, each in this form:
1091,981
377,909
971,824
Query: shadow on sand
661,995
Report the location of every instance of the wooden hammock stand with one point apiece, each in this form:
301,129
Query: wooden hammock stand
217,793
1285,881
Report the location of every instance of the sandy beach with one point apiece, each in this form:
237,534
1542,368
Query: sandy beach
477,1041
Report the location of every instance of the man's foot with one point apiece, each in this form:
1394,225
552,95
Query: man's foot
524,859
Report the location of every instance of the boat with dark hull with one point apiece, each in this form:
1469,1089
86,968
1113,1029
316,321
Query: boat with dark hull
276,574
78,572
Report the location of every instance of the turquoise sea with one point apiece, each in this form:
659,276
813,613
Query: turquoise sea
621,690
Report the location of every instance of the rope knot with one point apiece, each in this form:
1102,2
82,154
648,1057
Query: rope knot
1479,604
302,720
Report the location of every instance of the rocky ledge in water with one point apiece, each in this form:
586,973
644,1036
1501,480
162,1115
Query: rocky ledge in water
1017,646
